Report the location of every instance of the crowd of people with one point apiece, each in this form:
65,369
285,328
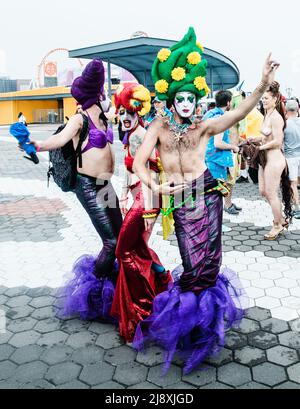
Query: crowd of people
182,164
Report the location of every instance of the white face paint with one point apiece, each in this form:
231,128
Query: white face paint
128,119
105,103
185,104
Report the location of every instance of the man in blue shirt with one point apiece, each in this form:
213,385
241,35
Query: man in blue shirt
219,158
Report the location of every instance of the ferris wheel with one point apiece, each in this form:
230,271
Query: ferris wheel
49,67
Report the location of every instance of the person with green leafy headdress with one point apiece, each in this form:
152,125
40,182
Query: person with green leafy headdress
192,316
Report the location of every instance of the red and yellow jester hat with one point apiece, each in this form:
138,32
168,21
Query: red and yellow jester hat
133,97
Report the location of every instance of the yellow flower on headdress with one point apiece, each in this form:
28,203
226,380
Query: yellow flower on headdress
194,58
178,74
161,86
164,54
199,45
200,83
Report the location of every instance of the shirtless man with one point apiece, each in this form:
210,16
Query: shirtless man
190,317
94,190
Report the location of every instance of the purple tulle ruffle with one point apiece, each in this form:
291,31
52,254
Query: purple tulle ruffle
193,325
86,295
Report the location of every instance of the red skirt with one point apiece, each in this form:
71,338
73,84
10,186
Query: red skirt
137,284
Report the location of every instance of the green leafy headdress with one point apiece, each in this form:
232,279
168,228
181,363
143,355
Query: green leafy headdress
180,69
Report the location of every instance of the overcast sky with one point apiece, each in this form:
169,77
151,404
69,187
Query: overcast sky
245,31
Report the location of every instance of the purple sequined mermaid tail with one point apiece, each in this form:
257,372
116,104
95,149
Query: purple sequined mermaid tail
192,316
86,295
90,292
190,324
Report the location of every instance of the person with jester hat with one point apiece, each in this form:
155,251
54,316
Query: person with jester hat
192,316
90,289
141,275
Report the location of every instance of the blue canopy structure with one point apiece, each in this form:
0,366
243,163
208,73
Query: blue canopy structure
138,54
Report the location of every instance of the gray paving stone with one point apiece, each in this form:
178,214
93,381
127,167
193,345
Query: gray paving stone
248,326
243,248
110,385
4,338
20,301
269,374
258,314
27,354
81,339
153,357
9,384
7,369
282,356
263,340
38,384
43,313
73,326
274,254
57,354
38,292
253,385
290,339
6,351
29,372
288,385
63,373
156,376
235,340
20,312
3,299
2,289
232,243
48,325
74,385
202,377
121,355
227,249
24,338
182,386
53,338
224,357
97,374
250,356
145,386
41,302
234,374
216,386
22,324
263,248
109,340
294,373
274,326
88,355
15,292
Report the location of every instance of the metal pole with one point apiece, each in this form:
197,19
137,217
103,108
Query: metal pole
109,79
212,82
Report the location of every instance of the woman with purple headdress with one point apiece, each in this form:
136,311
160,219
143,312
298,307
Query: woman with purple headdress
90,292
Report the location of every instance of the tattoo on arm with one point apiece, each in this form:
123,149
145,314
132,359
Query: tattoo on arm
135,142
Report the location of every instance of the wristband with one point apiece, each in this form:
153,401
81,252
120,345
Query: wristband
38,148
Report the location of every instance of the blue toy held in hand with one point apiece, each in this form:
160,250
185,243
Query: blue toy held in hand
21,133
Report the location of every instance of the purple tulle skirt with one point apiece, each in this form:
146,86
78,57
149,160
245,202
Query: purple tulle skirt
85,295
193,325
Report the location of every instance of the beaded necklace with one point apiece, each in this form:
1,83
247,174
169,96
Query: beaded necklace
179,130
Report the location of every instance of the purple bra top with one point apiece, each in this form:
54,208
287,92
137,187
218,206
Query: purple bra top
98,138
